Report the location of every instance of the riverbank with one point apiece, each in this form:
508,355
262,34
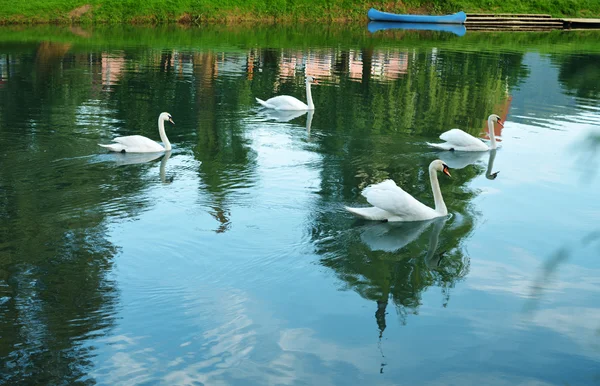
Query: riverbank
198,11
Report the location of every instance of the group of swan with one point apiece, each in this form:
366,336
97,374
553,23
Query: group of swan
390,202
141,144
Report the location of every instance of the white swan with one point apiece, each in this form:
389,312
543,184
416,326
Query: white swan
141,144
457,139
391,203
286,102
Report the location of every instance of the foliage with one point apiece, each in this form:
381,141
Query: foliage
302,35
190,11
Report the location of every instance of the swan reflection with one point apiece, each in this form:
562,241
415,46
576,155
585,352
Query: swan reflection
122,159
286,116
282,115
462,159
392,236
163,165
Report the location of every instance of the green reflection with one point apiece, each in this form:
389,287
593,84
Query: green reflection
381,97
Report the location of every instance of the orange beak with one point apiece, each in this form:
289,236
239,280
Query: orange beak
500,123
446,172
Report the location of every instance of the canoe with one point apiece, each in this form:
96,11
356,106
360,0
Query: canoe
456,29
456,18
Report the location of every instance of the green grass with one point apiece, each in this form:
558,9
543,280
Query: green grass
163,11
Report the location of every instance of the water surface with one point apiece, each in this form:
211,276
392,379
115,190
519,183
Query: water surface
230,260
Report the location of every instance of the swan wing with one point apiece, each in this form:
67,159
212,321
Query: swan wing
459,138
264,104
391,198
371,213
138,144
443,146
285,102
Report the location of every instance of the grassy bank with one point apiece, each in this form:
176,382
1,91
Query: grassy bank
196,11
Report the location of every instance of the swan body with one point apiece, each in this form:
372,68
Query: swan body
391,203
141,144
286,102
458,140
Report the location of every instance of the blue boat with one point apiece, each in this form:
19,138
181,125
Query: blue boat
456,18
457,29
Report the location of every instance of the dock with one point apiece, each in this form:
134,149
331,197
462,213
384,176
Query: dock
581,23
525,22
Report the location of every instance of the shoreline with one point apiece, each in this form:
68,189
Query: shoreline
157,12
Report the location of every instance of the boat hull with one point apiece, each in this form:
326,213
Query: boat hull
456,18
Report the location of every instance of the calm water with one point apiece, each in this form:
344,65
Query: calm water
230,260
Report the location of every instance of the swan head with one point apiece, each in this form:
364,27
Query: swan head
311,80
495,118
440,166
166,117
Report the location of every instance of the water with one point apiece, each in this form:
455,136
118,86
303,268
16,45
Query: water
230,260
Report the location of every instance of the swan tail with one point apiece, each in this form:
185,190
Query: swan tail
371,213
265,104
114,147
443,146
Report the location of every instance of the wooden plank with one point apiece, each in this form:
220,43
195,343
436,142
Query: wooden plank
488,19
508,15
583,21
515,22
512,29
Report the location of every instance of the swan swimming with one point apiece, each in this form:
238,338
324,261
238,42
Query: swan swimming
286,102
457,139
391,203
141,144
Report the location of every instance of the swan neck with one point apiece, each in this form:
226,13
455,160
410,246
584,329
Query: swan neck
440,205
492,135
163,135
309,101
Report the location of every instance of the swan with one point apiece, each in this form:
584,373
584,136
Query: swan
286,102
391,203
141,144
457,139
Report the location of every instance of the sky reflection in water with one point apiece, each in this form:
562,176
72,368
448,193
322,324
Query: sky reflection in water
230,259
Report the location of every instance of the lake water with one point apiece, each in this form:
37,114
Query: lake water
231,261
